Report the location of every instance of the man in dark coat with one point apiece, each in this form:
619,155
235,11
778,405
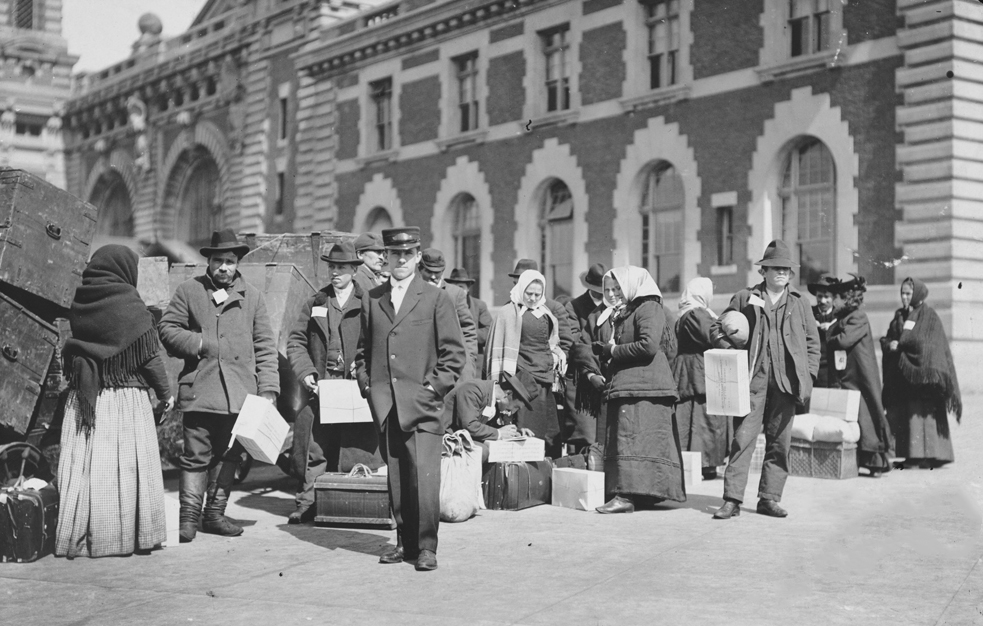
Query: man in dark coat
372,254
410,356
479,310
219,325
470,406
322,345
783,358
580,426
431,269
823,312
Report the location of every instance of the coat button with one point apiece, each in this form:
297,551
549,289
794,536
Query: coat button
392,356
394,380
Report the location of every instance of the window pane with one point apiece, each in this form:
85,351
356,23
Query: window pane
822,32
798,36
560,267
661,34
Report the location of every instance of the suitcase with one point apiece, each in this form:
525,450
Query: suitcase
343,500
304,251
517,486
27,523
27,345
44,237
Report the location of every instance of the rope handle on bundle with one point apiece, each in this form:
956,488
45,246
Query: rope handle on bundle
360,470
457,442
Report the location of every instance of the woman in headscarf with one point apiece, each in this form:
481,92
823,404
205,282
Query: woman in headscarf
852,365
526,338
698,431
642,457
109,476
920,384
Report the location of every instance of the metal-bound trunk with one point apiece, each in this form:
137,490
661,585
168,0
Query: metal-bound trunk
27,344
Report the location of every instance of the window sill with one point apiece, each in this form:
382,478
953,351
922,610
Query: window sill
377,158
723,270
556,118
462,139
797,65
665,95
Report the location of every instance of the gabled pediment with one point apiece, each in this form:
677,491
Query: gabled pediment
214,8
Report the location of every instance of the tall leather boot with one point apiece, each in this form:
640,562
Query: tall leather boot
214,521
192,493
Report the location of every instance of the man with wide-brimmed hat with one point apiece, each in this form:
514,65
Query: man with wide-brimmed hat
410,356
479,310
431,269
219,325
372,254
322,345
484,409
783,359
823,313
580,429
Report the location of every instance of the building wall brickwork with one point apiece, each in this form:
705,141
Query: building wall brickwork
419,104
506,97
602,66
727,36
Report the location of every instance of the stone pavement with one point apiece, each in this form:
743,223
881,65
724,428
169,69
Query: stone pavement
905,549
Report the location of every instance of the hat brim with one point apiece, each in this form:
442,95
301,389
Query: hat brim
403,246
328,259
433,268
778,263
240,250
459,281
587,285
372,248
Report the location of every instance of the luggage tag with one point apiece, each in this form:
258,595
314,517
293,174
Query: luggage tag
909,324
220,296
319,311
755,301
839,359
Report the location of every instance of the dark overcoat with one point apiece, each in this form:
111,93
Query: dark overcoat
229,349
400,353
469,328
463,408
693,339
483,321
639,367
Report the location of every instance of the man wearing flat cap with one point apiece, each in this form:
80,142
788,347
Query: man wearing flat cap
484,409
479,310
410,356
431,269
783,359
580,429
322,346
219,325
372,254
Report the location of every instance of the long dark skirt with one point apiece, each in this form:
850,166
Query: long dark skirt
542,419
701,432
921,430
642,454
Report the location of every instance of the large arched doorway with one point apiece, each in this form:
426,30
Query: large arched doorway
194,194
112,198
378,220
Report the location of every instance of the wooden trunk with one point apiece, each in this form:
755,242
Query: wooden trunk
27,344
343,500
304,251
44,237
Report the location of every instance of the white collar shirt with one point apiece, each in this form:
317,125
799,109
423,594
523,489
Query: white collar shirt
342,295
399,288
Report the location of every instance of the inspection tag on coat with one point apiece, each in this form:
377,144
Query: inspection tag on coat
319,311
220,296
839,359
909,324
755,301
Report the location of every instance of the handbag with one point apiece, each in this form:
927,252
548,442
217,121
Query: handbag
460,478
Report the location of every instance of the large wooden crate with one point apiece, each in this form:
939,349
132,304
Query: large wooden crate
27,344
44,237
819,459
344,500
304,251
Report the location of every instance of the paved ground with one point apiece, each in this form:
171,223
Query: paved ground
905,549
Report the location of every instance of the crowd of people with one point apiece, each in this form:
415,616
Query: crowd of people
611,378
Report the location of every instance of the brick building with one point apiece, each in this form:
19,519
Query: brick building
680,135
35,81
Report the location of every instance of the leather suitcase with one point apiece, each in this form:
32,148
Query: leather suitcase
44,237
27,345
27,523
343,500
517,486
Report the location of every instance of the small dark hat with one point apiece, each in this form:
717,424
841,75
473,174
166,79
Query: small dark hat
433,260
857,283
522,385
593,278
340,253
369,241
523,265
777,255
224,241
459,275
826,282
401,238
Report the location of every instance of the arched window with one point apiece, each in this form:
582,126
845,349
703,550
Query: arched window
808,196
378,220
112,199
467,236
556,238
662,225
200,201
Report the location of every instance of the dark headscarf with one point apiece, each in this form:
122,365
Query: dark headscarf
924,357
113,333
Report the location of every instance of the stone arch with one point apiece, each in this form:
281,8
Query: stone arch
206,139
804,115
378,192
119,161
551,162
465,176
656,142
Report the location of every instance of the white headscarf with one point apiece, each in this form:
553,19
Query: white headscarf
635,282
516,295
697,295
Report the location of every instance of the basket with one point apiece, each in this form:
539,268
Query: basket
819,459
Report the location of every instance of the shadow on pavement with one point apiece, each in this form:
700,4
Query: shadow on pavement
281,507
704,504
338,538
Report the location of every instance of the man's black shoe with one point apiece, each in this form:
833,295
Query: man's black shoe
728,510
771,508
393,555
426,562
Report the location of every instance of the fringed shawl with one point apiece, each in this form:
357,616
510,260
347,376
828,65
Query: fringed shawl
113,333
